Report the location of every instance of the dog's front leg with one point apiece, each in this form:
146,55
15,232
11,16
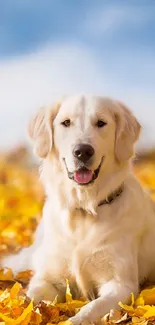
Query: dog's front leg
111,271
111,293
47,282
41,288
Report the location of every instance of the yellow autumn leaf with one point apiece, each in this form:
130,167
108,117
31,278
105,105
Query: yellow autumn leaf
147,296
26,312
127,308
15,290
68,293
139,321
140,311
139,301
132,299
6,274
67,322
150,313
145,312
4,295
71,305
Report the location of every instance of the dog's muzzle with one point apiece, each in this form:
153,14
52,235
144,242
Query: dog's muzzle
84,176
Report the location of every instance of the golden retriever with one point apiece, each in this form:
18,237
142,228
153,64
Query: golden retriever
98,225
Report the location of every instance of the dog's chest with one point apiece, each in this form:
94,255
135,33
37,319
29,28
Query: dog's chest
77,225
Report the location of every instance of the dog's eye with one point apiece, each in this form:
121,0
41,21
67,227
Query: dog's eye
101,123
66,123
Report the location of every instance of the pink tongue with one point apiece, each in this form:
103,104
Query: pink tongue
83,176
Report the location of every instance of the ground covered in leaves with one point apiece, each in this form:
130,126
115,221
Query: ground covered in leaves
21,200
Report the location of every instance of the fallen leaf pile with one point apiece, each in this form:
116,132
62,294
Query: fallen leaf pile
145,172
21,201
17,308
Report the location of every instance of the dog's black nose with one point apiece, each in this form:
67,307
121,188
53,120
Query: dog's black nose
83,152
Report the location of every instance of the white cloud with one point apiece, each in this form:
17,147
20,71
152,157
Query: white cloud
37,79
34,80
109,19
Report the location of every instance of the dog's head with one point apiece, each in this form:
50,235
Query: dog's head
87,134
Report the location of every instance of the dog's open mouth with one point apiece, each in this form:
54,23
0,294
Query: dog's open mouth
84,176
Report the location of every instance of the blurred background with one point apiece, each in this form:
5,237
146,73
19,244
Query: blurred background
51,48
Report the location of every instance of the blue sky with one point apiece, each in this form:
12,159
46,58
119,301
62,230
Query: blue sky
52,47
28,24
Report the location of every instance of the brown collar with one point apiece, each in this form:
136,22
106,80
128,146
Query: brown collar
112,196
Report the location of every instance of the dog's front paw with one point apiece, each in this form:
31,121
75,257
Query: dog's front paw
76,322
41,290
90,313
82,319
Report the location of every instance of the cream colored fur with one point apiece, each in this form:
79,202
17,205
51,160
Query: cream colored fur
105,252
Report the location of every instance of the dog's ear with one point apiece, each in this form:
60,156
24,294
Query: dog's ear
40,130
127,132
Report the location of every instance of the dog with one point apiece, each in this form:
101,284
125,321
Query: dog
98,225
